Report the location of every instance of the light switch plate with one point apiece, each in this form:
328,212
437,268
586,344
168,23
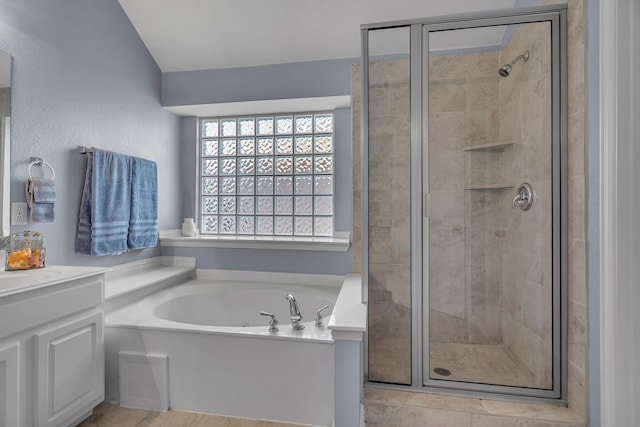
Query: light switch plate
18,213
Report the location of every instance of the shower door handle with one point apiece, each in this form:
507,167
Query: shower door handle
524,197
427,205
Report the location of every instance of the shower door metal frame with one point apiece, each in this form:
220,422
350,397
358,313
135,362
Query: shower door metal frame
419,73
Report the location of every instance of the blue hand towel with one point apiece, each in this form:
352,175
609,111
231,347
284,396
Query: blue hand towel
105,208
41,197
143,222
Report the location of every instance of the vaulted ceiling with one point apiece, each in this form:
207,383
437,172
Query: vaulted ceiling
209,34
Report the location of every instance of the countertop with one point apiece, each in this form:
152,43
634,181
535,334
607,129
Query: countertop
16,282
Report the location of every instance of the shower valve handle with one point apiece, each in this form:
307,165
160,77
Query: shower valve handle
273,322
524,197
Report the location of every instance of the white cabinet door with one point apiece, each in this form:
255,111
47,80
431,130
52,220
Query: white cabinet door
9,388
69,369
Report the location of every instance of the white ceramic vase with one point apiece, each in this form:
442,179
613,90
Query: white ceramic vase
188,227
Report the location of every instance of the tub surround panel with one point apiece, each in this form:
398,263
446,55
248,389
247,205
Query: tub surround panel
348,323
241,352
349,313
198,385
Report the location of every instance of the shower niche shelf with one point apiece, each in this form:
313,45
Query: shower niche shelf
488,187
491,146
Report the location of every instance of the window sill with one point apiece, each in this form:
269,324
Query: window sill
338,243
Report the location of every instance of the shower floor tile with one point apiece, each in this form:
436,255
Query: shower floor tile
479,363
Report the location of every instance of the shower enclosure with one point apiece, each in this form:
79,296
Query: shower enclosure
463,197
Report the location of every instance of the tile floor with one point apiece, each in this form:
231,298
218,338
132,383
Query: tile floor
478,363
474,363
395,408
112,415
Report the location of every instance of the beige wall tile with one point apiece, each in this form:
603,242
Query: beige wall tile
380,208
576,207
408,416
577,271
577,393
482,92
498,421
448,95
577,334
448,328
436,401
449,130
575,144
392,360
523,410
379,244
401,244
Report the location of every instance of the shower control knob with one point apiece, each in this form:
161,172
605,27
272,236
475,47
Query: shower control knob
524,197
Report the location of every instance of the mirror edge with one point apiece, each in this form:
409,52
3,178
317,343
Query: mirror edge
5,153
5,177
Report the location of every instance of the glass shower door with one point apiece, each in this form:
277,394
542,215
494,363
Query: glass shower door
388,202
488,308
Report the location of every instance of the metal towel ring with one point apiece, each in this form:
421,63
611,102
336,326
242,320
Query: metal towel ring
39,162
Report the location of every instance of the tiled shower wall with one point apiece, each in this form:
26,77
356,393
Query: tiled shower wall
389,329
525,120
464,264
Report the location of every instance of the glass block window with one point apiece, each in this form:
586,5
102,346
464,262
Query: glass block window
267,175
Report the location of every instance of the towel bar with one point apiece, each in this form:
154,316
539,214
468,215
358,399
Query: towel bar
84,150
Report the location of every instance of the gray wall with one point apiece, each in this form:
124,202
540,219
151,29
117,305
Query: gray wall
296,80
82,76
281,81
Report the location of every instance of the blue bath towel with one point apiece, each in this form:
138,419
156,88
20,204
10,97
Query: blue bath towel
105,208
143,222
41,197
83,237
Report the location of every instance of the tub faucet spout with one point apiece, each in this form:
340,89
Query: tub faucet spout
296,317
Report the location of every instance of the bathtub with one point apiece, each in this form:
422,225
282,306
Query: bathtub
222,359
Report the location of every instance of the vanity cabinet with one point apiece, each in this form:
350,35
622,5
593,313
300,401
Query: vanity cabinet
69,368
9,386
52,349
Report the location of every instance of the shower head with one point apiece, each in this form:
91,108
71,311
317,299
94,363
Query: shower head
506,69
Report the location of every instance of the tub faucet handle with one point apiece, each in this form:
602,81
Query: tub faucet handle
319,315
273,322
